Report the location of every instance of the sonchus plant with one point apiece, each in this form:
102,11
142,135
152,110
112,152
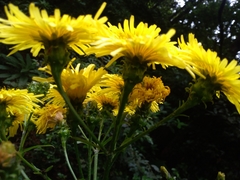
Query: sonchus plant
106,112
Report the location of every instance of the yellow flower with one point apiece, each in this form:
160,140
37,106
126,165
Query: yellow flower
16,105
112,83
48,117
141,44
221,75
75,81
149,92
109,101
39,30
54,97
107,94
46,69
19,101
18,120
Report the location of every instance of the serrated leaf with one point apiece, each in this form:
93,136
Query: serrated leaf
23,81
5,75
24,70
28,61
13,76
14,64
15,60
4,67
19,57
13,84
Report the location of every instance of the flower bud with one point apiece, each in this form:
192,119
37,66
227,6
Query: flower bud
7,154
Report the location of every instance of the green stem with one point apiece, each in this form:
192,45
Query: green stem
118,123
78,160
106,134
187,105
24,175
117,126
25,133
3,117
68,163
2,131
96,152
89,161
56,75
35,169
95,167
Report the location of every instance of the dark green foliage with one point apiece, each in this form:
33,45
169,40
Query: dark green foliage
45,158
17,71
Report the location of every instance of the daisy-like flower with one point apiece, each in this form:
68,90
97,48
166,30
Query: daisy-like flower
220,75
141,44
15,104
75,81
54,97
112,83
46,69
39,30
17,121
109,101
107,94
19,101
48,117
149,92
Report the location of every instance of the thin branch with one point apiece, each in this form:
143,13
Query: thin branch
220,22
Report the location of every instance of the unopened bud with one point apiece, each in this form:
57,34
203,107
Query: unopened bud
7,154
165,172
220,176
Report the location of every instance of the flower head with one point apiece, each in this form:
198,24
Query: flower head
54,97
48,117
106,94
19,100
141,44
104,101
112,83
15,107
39,30
17,121
219,75
149,92
75,81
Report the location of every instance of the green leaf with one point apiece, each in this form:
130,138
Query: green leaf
14,63
19,58
24,70
5,75
107,140
29,61
4,67
13,76
49,168
85,141
35,147
23,81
